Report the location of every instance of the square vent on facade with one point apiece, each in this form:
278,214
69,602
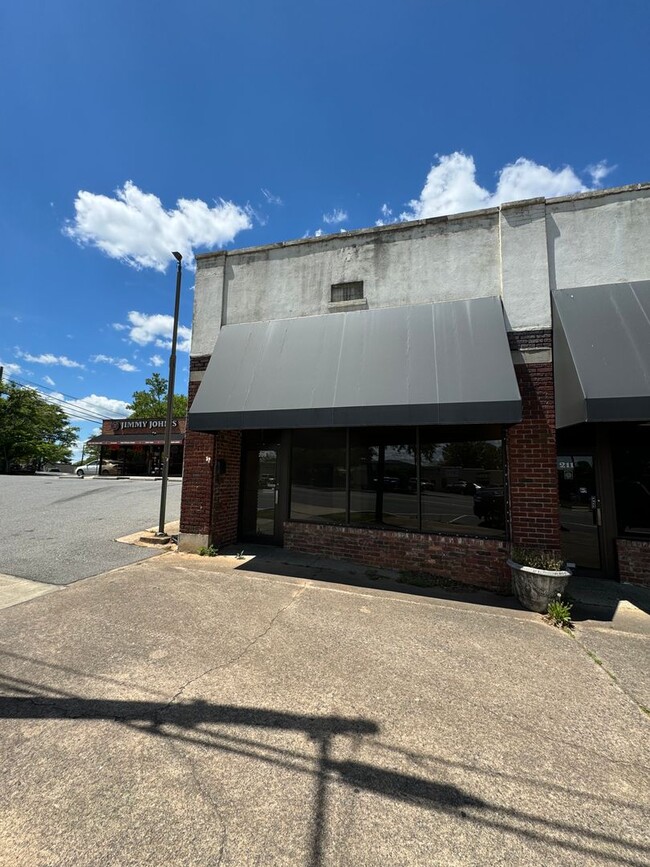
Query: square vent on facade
347,291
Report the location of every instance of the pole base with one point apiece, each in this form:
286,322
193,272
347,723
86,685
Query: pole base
157,539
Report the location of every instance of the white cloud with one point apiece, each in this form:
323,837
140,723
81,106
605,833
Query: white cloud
386,216
599,171
119,326
318,233
451,185
134,227
48,380
270,198
121,363
48,358
96,404
157,328
156,360
10,369
337,216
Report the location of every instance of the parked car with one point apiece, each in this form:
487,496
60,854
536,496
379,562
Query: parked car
92,469
489,506
462,487
425,485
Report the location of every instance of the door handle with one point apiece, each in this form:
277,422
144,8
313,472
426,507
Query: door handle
276,496
597,514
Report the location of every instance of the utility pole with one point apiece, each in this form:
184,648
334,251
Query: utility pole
161,535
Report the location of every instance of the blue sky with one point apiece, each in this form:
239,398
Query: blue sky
134,128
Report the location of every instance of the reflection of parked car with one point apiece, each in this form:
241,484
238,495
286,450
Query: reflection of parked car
92,469
462,487
391,483
425,485
489,507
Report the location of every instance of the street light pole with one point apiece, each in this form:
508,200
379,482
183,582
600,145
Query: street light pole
170,402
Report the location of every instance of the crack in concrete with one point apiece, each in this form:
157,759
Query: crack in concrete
185,757
615,680
234,659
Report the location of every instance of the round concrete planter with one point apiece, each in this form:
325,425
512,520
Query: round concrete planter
535,588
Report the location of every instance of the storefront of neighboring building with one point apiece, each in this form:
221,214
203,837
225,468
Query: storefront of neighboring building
134,447
425,395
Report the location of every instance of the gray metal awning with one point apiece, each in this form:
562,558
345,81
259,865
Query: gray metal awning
445,363
601,353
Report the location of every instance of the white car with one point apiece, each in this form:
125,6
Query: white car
92,469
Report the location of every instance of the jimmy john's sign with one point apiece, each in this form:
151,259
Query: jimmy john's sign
142,425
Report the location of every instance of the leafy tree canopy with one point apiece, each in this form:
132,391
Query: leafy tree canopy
32,431
472,454
152,403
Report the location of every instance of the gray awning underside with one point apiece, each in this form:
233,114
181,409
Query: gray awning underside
601,353
446,363
142,440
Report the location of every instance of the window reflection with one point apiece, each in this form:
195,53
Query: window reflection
382,476
459,487
318,476
462,486
631,462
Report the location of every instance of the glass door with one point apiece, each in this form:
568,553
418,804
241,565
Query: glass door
580,513
259,513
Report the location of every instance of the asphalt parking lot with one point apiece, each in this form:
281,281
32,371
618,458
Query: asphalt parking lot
58,529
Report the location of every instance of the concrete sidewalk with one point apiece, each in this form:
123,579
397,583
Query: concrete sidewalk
181,711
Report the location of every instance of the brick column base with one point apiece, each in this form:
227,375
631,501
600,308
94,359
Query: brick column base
634,561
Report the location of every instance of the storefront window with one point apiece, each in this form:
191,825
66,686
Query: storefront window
458,487
318,476
631,463
461,483
382,477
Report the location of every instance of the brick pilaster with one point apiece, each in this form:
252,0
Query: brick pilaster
225,515
532,462
198,477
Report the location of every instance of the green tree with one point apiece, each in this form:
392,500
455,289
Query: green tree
152,403
472,454
32,431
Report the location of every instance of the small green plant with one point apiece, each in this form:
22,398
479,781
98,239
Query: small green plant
240,555
537,559
208,551
559,613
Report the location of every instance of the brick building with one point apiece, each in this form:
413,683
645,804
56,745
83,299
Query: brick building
134,447
424,395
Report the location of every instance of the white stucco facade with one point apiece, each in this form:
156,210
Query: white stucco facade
518,252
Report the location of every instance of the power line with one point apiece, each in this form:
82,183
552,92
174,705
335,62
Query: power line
49,388
77,407
73,410
82,414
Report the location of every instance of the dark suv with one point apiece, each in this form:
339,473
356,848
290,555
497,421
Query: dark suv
489,506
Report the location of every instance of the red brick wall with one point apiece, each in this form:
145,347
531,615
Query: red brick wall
226,500
199,362
532,462
198,478
479,562
634,561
